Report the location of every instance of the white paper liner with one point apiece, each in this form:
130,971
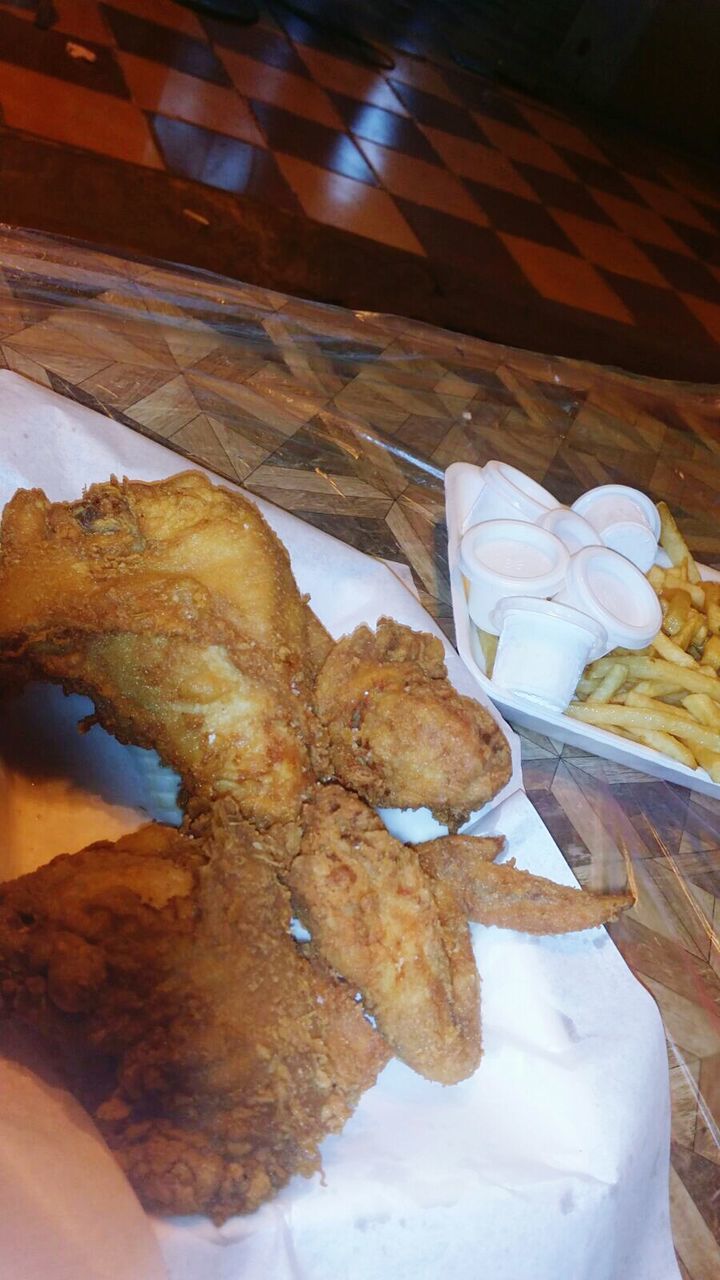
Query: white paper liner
552,1161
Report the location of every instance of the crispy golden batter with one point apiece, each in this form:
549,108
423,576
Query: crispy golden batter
513,899
383,924
214,1054
392,918
399,733
173,606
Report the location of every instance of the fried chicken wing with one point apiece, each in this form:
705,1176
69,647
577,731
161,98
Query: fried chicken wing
382,923
173,606
392,918
213,1052
399,733
513,899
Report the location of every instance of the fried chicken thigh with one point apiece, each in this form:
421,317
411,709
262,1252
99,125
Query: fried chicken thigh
399,733
173,606
212,1051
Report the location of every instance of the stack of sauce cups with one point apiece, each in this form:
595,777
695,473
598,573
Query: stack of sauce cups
560,586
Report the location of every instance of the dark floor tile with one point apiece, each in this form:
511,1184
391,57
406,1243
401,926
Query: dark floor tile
384,127
625,152
476,249
519,217
657,309
476,93
709,212
24,45
602,176
220,161
321,35
256,42
705,244
436,112
312,141
687,275
162,44
560,193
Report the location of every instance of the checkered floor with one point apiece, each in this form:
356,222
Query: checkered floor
569,229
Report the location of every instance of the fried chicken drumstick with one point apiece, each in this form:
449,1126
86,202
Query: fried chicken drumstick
213,1053
400,734
173,606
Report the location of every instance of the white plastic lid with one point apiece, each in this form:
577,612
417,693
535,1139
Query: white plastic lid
515,555
614,503
612,590
520,490
570,528
634,540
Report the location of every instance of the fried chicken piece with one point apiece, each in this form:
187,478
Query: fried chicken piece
399,733
214,1053
173,606
513,899
384,925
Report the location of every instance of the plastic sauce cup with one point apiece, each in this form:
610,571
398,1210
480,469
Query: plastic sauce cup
509,558
508,494
626,519
605,585
570,528
634,541
543,649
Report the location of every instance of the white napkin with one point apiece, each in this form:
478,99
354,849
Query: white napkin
551,1163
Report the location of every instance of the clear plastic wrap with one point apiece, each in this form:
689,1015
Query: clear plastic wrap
349,421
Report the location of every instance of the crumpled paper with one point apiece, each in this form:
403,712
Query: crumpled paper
552,1161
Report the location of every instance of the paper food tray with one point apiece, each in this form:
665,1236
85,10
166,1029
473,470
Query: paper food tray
552,1160
523,712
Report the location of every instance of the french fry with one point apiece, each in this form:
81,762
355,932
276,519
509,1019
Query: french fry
712,607
606,689
489,645
703,709
694,681
635,699
672,651
700,636
711,652
677,612
709,761
657,688
647,719
693,624
677,579
669,746
585,688
673,542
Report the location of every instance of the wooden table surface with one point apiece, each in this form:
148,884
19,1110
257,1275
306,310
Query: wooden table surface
348,420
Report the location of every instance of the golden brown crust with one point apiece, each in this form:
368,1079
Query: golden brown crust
399,733
173,606
213,1053
386,927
